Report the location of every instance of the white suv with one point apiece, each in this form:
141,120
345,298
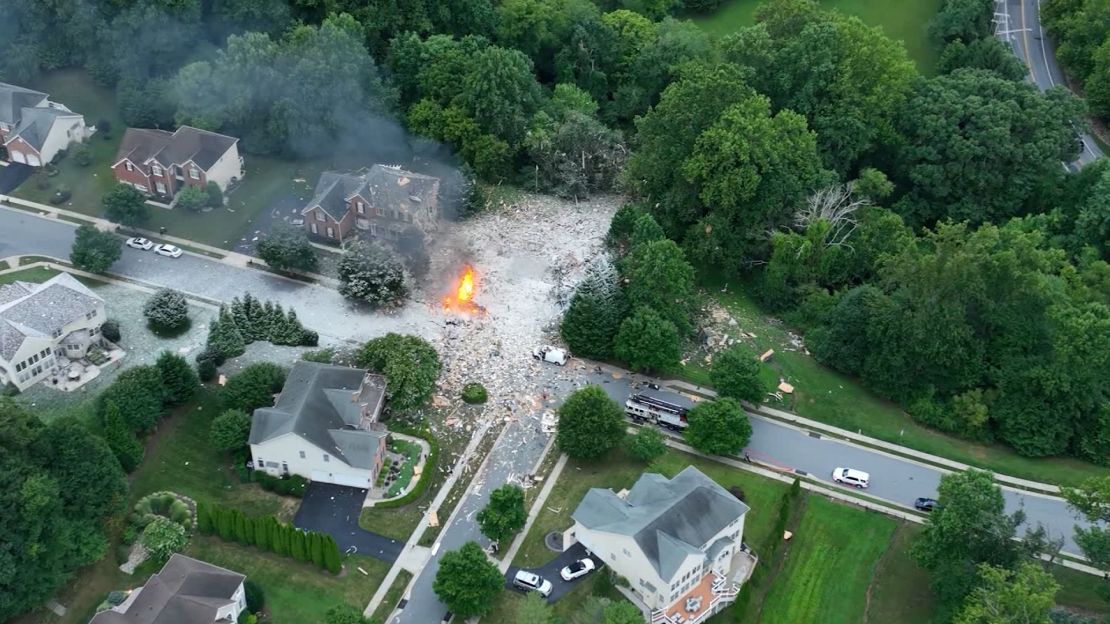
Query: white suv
532,582
848,476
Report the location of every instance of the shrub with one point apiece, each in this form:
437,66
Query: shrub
192,198
474,393
104,127
123,552
322,356
163,537
178,378
256,598
425,477
167,311
60,196
230,430
293,485
179,512
130,534
110,330
82,155
206,369
215,195
646,445
254,386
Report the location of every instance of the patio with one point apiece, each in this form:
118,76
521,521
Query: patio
69,375
711,595
404,462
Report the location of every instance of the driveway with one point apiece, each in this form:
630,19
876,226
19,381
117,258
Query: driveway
550,571
13,175
334,509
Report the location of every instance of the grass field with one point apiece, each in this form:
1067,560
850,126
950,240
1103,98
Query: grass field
37,275
825,395
904,21
504,607
392,596
829,566
900,592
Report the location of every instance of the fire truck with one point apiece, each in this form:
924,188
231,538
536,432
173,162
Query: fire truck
666,409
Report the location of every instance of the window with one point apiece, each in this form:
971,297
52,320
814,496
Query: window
57,332
129,166
378,210
194,173
34,358
302,454
320,215
314,230
361,208
91,314
626,553
327,458
156,170
161,188
331,233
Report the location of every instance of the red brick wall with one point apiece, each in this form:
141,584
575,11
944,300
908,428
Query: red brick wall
189,181
21,146
132,177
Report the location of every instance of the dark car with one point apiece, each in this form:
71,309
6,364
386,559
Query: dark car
925,504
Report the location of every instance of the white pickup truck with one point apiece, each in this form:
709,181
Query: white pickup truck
550,354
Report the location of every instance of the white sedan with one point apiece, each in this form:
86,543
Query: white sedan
578,569
139,243
168,250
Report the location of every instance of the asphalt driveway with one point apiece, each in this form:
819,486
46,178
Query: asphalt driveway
550,571
334,509
13,175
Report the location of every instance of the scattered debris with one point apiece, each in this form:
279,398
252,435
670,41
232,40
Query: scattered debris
786,388
766,355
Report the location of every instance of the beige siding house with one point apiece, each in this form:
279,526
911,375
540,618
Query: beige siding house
34,129
323,427
678,542
42,323
184,591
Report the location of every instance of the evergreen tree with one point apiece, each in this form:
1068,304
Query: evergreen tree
591,321
178,378
239,527
224,336
297,545
283,538
204,518
225,523
120,438
332,560
316,546
262,532
249,525
239,312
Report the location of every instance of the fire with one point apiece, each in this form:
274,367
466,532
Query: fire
462,299
466,286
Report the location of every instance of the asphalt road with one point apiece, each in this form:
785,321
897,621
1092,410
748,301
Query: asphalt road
1018,22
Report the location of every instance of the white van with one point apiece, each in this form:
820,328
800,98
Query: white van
848,476
532,582
550,354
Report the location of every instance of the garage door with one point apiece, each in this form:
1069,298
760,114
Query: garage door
18,157
340,479
33,160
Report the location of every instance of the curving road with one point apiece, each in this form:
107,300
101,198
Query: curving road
1018,22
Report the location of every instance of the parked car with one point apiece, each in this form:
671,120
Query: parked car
578,569
925,504
139,243
848,476
550,354
528,581
168,250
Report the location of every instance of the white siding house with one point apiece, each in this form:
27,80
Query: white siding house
33,128
678,542
323,427
228,168
39,323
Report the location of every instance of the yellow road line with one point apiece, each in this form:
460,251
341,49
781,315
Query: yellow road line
1025,44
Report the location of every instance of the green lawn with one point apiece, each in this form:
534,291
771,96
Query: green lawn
829,566
37,275
296,592
903,20
900,591
825,395
504,607
392,597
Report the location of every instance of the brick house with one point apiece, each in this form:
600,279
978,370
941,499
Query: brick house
162,163
379,203
34,129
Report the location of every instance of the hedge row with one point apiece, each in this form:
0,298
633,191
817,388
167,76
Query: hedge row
788,507
267,533
425,477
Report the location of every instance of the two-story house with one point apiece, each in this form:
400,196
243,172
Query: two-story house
324,426
34,129
162,163
60,317
184,591
678,542
379,203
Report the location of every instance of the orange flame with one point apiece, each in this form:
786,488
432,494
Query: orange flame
466,286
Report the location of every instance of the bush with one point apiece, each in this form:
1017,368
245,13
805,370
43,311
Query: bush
646,445
206,369
293,485
167,311
178,378
256,598
474,393
163,537
104,127
130,534
322,356
215,195
123,551
192,198
110,330
230,430
60,196
82,155
179,512
425,477
254,387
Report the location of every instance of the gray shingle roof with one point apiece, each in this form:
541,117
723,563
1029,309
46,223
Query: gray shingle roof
185,591
322,403
44,309
200,146
387,187
14,99
669,519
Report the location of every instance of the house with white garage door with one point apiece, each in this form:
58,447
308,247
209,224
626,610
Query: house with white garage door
33,129
324,426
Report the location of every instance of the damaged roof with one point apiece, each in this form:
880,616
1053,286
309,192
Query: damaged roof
185,591
187,144
670,519
323,404
36,310
385,187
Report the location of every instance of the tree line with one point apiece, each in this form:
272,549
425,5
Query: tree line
267,533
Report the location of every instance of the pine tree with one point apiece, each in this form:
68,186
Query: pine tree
249,525
332,561
296,545
255,313
179,379
281,539
204,518
262,532
125,446
225,523
316,547
239,313
240,527
224,336
266,321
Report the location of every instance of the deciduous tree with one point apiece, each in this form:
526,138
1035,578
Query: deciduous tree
648,342
126,205
287,247
368,273
467,581
504,514
1024,596
93,250
590,424
657,276
646,444
718,427
410,365
230,430
735,374
120,438
254,386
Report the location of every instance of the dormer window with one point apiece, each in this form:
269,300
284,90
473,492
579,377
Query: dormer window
129,166
156,170
361,207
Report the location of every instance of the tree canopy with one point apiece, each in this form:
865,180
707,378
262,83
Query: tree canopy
590,424
504,514
467,581
410,365
93,250
718,427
